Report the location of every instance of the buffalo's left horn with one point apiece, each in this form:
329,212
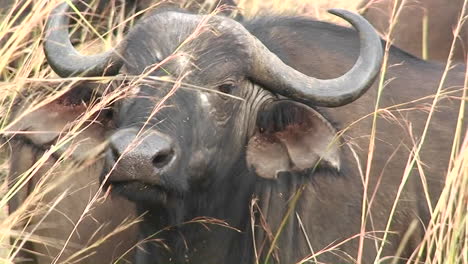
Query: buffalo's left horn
270,71
65,60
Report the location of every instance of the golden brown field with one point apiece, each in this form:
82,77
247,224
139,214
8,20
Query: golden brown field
23,69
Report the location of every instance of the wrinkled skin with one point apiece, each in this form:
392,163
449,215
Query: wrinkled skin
80,186
408,32
225,151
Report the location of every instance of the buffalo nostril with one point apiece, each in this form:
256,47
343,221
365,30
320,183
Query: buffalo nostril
162,158
115,153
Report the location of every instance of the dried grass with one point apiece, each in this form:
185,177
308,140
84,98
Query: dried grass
22,70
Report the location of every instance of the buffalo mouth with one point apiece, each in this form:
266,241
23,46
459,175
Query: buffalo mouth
141,192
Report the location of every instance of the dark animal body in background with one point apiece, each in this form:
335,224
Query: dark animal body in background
46,124
442,18
208,155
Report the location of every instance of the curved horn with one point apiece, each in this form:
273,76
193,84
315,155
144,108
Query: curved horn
65,60
270,71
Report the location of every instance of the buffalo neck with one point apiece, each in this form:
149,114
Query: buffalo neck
204,225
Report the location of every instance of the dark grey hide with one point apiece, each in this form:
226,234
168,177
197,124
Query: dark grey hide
206,154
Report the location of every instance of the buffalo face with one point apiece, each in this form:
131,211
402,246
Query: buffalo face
165,145
223,113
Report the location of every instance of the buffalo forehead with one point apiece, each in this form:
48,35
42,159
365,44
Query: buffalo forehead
217,51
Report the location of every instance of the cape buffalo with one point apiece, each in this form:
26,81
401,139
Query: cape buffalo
442,17
27,149
38,130
247,138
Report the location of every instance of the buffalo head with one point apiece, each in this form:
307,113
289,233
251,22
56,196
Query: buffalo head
239,107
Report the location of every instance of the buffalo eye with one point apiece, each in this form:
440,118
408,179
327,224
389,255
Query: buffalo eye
109,114
226,88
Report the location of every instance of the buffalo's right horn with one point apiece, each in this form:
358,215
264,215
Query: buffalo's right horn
65,60
278,77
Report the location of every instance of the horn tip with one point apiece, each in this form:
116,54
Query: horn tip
338,11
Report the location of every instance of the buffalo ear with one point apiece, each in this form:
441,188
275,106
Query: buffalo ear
291,136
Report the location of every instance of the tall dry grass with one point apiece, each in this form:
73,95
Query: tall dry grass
23,69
